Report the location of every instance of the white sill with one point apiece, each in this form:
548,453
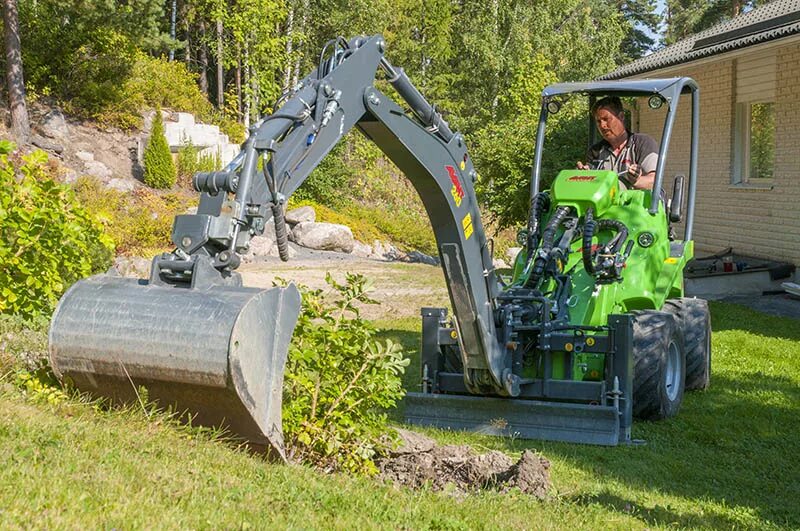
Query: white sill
765,185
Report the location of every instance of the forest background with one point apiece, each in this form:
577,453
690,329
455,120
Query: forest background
483,63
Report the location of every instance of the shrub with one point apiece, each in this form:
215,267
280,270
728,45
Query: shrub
159,170
339,379
48,241
191,161
140,223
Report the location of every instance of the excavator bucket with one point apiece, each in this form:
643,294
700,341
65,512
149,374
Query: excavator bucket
215,354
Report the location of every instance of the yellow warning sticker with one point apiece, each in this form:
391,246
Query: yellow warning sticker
466,223
671,261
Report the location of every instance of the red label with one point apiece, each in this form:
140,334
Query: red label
582,178
454,179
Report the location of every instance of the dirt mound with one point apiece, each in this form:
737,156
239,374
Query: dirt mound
419,462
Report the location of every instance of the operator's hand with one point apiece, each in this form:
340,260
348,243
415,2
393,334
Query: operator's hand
582,166
634,172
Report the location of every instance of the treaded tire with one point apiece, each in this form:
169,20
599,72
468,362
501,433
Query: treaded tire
695,322
659,365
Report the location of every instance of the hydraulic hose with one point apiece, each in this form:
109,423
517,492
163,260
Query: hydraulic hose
548,238
589,227
281,234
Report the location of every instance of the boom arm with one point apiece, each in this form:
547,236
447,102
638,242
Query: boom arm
236,202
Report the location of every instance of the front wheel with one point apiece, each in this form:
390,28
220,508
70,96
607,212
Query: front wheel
659,360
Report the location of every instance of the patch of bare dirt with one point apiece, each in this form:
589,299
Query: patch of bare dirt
420,462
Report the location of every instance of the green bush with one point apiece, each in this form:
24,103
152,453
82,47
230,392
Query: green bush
339,380
140,223
159,169
48,241
191,161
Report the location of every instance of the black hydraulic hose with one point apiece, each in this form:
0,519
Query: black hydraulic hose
281,234
589,226
622,232
539,205
548,238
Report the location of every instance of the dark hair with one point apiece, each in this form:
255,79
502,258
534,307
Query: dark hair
612,103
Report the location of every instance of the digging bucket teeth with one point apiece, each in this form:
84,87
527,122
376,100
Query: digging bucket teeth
525,419
217,354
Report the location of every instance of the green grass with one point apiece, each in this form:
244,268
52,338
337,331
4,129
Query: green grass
729,460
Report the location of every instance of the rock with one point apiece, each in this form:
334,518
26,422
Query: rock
122,185
69,176
499,263
46,145
97,169
299,215
361,249
85,156
323,236
386,251
421,258
54,125
131,266
260,247
276,254
512,253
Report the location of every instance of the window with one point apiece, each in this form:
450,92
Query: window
754,160
754,133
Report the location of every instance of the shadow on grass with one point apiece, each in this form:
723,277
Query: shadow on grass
735,444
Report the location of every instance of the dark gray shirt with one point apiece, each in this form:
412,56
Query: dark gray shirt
640,149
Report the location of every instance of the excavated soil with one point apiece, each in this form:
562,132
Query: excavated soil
420,462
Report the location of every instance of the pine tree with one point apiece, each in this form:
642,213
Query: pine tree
159,169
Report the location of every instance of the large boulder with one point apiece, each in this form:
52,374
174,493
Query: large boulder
323,236
54,125
421,258
299,215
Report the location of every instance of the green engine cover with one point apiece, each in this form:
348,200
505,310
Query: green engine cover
583,189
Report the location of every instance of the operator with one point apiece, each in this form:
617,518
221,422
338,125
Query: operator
632,155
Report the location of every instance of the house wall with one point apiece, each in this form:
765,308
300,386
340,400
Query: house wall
758,221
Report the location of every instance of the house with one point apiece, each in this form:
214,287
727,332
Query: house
748,70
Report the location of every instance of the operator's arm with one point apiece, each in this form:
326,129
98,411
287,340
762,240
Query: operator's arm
645,154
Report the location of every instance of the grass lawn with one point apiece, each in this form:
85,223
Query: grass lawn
729,460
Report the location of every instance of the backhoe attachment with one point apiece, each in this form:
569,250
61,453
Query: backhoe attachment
200,342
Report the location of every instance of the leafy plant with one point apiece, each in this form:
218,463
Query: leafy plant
47,241
140,222
339,379
191,161
159,169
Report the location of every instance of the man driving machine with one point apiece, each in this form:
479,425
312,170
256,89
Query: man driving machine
632,155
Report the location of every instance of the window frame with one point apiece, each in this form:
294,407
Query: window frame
740,176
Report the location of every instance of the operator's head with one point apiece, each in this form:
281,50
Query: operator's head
609,116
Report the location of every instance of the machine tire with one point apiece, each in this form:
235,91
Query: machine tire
659,365
695,322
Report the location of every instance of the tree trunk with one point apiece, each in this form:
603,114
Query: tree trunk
220,72
287,78
173,17
238,81
203,52
248,94
303,26
20,126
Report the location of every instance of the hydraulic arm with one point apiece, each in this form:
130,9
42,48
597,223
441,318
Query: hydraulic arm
284,148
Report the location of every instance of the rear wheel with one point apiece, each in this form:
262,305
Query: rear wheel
695,320
659,365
